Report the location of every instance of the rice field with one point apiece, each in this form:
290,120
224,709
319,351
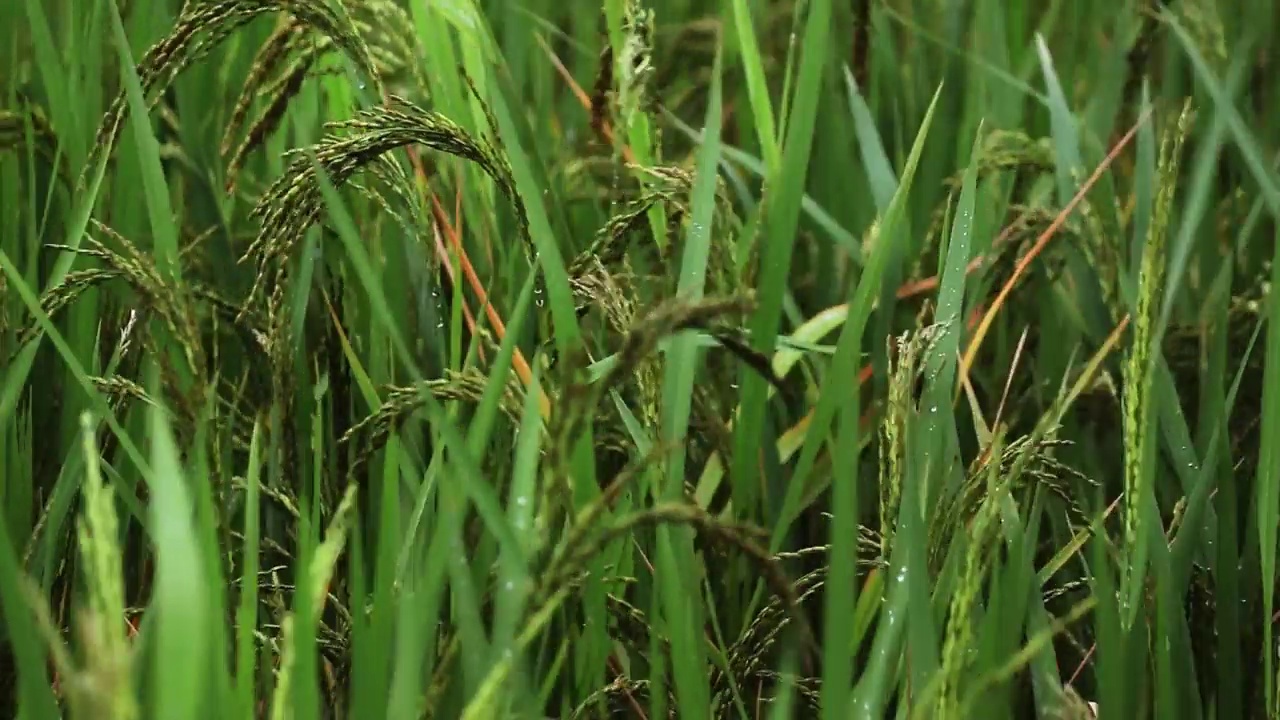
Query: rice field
708,359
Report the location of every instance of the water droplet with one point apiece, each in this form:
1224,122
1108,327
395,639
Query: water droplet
522,500
509,587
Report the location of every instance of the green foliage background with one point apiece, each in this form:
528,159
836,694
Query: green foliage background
741,359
